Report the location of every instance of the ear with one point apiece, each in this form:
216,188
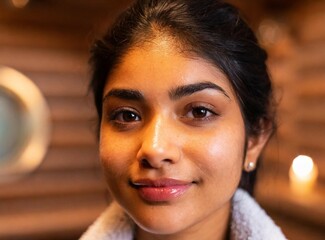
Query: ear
255,146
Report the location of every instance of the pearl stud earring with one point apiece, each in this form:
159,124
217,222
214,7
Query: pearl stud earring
250,166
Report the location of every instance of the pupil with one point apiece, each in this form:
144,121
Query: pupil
199,112
129,116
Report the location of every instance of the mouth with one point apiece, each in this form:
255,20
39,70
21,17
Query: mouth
160,190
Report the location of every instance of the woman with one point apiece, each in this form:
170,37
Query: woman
185,108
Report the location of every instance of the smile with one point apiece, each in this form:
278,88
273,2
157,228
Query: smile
160,190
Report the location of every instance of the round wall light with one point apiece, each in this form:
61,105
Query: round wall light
24,125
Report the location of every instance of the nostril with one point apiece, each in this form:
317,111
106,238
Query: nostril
145,164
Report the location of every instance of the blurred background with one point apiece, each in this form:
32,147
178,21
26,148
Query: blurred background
48,41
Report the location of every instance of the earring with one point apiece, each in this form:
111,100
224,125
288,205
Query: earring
250,166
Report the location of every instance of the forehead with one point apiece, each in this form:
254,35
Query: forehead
162,64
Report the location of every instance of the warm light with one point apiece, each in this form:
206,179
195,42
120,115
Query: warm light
303,174
34,117
19,3
302,166
269,32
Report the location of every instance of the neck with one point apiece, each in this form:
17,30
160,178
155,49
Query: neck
213,227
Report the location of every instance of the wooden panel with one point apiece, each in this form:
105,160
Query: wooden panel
54,183
309,58
299,76
61,84
73,134
309,22
11,36
297,230
72,109
29,205
67,192
312,112
273,193
50,224
311,87
43,60
69,16
70,158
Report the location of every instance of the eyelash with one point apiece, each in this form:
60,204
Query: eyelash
188,116
209,114
115,114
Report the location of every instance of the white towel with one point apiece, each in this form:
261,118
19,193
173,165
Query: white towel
249,222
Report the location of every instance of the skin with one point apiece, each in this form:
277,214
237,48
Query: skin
197,137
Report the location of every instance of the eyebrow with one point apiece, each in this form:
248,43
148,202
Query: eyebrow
187,90
174,94
127,94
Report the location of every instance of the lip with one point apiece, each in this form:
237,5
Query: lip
160,190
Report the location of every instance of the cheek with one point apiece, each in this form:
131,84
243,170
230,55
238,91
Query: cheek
114,159
220,154
114,156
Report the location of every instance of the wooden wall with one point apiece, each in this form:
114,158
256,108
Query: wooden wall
297,65
49,43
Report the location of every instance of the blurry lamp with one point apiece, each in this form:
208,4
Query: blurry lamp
269,32
24,125
303,174
19,3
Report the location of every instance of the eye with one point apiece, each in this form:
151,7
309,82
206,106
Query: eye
124,116
199,112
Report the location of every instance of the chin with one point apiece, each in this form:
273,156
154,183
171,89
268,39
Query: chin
159,224
159,229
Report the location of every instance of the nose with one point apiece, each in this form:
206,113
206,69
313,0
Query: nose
159,146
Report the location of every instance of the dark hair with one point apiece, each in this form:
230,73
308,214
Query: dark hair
211,29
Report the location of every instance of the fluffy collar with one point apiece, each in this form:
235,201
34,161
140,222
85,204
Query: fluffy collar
249,221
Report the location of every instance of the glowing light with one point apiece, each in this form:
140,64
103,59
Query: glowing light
269,32
35,118
302,166
303,174
19,3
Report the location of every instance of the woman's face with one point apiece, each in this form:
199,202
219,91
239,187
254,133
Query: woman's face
171,141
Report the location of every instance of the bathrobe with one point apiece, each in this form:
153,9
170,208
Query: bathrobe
248,222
